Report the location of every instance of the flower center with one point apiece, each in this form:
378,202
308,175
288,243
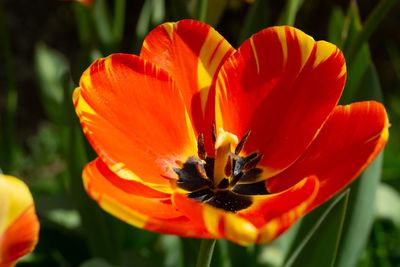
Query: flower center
227,180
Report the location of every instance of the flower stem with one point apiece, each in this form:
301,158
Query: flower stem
119,19
201,10
205,253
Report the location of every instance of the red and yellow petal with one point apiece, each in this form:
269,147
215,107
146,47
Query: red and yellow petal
135,203
218,222
263,221
192,53
350,139
135,118
273,214
19,226
282,85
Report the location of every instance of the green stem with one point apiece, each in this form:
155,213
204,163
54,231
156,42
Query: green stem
290,12
119,19
82,24
205,253
201,10
370,25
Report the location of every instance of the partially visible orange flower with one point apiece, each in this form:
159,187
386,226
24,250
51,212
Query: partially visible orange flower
19,226
198,139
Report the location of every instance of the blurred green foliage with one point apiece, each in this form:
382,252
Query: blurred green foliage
45,47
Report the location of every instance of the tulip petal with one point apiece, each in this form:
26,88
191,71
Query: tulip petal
135,118
192,53
350,139
218,222
19,226
264,220
275,213
135,203
281,85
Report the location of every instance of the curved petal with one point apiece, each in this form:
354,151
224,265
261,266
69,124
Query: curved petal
281,85
350,139
19,226
135,203
135,118
218,222
192,53
263,221
275,213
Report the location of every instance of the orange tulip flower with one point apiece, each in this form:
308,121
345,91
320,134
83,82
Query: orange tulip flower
19,226
198,139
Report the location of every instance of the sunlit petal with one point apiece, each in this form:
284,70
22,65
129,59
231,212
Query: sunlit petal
351,138
134,117
192,53
282,85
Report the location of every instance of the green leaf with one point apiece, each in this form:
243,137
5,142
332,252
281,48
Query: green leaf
201,10
319,235
83,22
102,24
179,10
222,257
243,256
360,215
356,69
158,15
274,254
387,204
257,18
51,70
288,16
172,246
363,84
370,25
215,10
335,27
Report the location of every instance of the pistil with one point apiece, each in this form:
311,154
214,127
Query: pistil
226,180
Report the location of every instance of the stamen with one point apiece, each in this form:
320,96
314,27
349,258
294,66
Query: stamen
213,133
252,160
239,147
223,184
201,149
250,176
225,180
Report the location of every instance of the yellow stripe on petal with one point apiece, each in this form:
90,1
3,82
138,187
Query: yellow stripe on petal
254,50
211,220
240,230
169,28
212,52
324,51
305,42
222,224
122,212
280,30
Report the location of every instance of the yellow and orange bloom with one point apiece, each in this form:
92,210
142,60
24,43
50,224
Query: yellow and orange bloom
19,226
197,139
